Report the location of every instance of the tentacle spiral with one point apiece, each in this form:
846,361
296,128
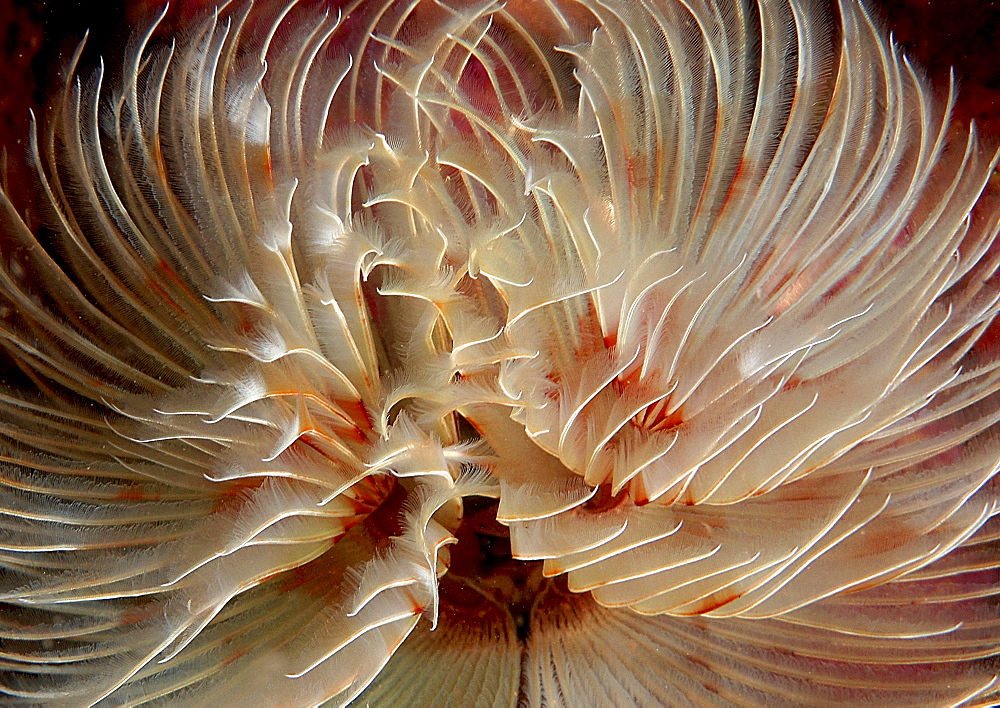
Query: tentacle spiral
613,352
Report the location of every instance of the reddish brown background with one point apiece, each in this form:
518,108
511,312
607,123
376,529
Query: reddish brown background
38,36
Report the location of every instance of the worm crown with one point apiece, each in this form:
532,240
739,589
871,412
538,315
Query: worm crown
583,352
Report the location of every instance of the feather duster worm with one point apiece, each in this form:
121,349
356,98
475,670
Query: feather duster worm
588,352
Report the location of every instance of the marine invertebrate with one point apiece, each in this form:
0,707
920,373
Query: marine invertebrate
579,352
